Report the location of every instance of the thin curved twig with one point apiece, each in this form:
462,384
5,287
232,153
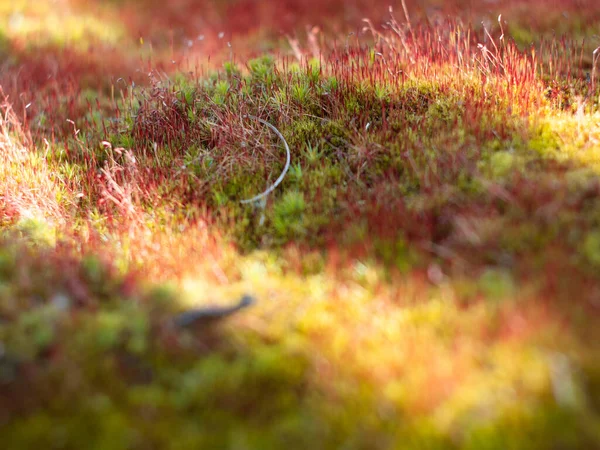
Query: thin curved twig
211,314
285,169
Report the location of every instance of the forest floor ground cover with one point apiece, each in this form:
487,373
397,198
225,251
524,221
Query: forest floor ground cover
425,276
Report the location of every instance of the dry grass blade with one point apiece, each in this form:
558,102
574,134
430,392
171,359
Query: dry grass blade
596,56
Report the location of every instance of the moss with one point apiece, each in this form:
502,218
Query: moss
220,93
591,248
523,36
569,138
505,434
48,26
396,253
262,70
497,284
411,271
502,164
306,131
35,231
288,215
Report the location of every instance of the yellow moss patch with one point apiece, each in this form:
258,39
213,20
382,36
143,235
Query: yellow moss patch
569,137
43,23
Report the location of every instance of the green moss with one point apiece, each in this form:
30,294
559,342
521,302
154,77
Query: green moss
304,132
36,231
396,253
523,36
502,164
220,93
288,215
591,248
262,70
544,140
497,284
